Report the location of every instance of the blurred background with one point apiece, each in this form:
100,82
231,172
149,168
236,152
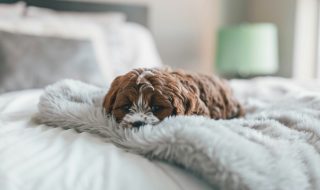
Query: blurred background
42,41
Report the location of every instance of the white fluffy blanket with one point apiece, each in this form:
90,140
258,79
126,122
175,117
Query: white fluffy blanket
276,145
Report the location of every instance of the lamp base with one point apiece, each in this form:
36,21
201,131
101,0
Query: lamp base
248,76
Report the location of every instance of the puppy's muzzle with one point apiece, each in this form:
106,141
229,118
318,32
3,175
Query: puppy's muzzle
138,124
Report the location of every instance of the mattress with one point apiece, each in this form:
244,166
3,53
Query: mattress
36,157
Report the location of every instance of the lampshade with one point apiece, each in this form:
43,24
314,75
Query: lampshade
248,49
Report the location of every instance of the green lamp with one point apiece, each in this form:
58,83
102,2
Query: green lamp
247,50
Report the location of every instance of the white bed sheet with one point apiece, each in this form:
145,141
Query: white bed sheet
36,157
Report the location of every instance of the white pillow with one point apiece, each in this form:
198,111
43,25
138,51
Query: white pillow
14,10
102,18
119,46
130,45
110,23
36,53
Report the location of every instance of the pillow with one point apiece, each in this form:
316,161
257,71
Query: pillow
35,54
102,18
133,47
130,45
14,10
118,47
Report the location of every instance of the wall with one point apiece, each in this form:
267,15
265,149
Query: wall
178,30
232,12
282,13
183,31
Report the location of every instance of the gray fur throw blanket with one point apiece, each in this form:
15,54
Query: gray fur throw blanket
275,146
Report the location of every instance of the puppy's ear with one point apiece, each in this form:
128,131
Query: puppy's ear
110,98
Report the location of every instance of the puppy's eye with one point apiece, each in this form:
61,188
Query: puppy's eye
155,108
126,108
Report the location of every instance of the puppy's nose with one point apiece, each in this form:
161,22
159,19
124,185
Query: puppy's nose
138,124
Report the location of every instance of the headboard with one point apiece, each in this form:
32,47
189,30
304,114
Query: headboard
134,13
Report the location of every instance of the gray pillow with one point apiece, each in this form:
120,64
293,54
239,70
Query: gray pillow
30,61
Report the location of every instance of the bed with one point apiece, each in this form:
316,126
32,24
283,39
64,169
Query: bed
275,146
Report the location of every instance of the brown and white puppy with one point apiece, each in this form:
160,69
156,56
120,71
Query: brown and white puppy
147,96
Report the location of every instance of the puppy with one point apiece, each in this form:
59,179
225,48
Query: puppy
147,96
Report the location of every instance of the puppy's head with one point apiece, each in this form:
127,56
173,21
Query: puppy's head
146,96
